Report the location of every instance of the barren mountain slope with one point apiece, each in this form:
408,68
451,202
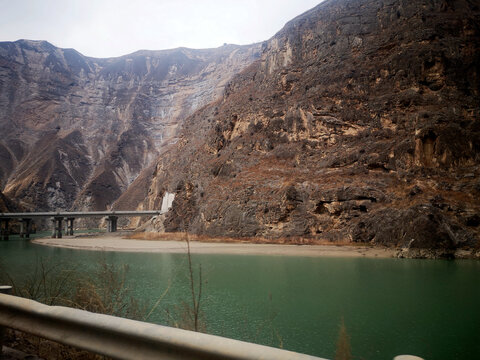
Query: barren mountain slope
360,122
6,205
77,130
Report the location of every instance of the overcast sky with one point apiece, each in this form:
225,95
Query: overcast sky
104,28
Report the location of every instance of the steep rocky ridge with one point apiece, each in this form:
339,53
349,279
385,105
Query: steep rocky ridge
360,122
76,131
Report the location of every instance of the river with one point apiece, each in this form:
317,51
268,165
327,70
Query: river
429,308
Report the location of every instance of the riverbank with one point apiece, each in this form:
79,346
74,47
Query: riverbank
109,242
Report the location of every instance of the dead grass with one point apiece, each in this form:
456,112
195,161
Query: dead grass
46,349
57,284
180,236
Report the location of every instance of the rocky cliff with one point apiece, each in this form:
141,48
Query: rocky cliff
359,123
76,131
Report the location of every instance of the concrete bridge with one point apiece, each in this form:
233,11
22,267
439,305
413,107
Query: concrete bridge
58,217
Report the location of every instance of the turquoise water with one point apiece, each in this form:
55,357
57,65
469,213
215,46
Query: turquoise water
429,308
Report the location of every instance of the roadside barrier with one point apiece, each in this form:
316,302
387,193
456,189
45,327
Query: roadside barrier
126,339
120,338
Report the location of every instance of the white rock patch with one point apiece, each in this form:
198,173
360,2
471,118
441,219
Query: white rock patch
167,201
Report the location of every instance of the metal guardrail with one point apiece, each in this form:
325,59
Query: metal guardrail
4,289
127,339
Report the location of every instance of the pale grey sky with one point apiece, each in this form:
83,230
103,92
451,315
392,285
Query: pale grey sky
104,28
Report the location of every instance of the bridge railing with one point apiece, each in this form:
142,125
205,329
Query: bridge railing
126,339
82,214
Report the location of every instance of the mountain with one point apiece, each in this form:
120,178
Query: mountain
359,123
77,130
6,205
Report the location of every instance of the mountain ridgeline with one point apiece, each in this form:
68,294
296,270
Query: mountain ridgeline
357,122
77,130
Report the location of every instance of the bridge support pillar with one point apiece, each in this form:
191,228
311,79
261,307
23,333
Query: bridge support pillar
54,228
69,229
57,227
112,223
4,232
25,228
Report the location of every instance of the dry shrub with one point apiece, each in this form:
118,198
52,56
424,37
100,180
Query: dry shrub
189,315
183,316
46,349
50,283
108,293
291,240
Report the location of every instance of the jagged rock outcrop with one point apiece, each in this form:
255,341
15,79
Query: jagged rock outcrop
360,122
76,131
6,205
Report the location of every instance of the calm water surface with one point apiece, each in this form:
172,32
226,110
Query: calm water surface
429,308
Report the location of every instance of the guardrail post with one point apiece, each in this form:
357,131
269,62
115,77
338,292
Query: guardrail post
5,289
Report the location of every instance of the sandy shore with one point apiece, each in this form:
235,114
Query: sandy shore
117,243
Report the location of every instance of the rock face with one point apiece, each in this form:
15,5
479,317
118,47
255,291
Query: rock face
76,131
359,123
6,205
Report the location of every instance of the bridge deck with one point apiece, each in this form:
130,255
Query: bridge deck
75,214
26,219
